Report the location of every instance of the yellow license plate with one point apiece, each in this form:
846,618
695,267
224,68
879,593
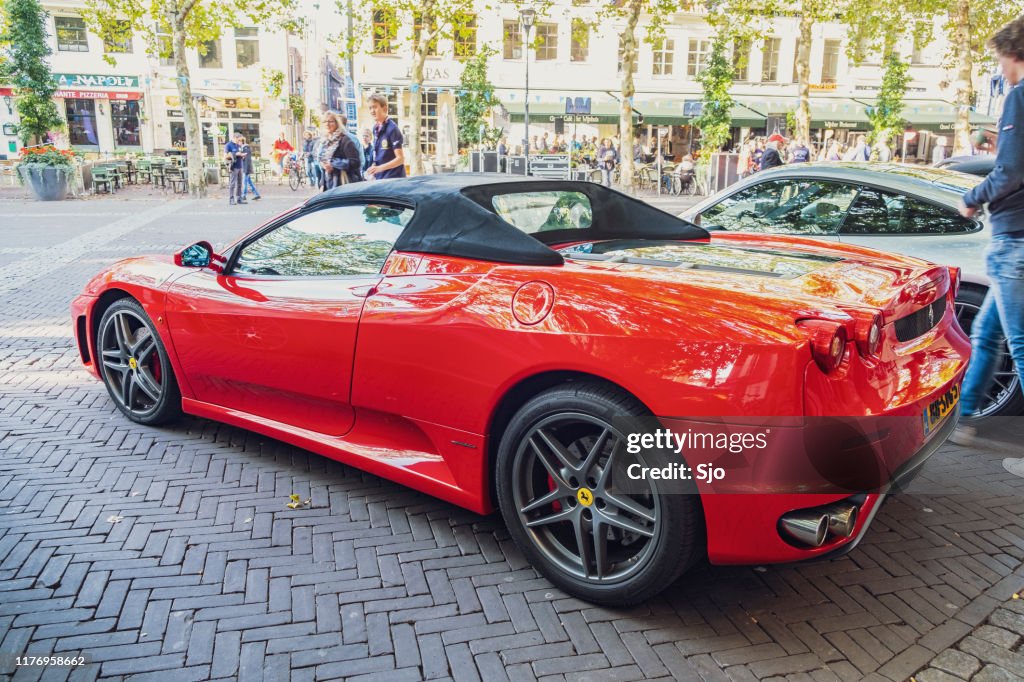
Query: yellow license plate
939,409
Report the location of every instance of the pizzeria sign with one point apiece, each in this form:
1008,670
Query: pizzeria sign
91,80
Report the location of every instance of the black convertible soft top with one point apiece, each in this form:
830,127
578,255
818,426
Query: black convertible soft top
453,215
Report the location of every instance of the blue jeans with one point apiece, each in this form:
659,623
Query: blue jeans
1000,320
248,186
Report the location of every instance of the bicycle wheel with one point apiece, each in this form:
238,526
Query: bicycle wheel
293,181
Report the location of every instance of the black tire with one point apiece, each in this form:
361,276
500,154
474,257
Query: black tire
636,566
1005,398
134,365
293,180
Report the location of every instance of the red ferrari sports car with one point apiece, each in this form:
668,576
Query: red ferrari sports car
629,391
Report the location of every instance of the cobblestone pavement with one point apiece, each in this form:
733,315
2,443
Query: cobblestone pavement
169,554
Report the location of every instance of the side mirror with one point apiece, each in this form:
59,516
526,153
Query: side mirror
199,255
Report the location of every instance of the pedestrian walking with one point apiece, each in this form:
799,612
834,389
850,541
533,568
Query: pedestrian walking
339,156
247,169
1001,317
355,141
771,156
282,148
801,152
308,154
367,149
860,151
388,153
235,158
607,159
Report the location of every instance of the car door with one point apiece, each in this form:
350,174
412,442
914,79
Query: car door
799,206
912,226
274,336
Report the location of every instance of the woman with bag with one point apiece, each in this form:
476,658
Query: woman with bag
338,155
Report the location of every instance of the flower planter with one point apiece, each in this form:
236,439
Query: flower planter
48,183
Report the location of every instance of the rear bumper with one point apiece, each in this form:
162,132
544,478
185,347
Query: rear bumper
821,461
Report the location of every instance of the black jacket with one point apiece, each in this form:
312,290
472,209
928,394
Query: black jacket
770,159
344,160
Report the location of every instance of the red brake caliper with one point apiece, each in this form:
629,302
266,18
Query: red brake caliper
556,505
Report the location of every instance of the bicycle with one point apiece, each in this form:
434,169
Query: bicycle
296,173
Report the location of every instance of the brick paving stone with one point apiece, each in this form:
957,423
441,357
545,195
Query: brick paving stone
377,582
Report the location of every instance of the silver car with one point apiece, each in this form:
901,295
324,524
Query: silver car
909,210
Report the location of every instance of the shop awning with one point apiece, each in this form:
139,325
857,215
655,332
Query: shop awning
935,115
656,109
546,106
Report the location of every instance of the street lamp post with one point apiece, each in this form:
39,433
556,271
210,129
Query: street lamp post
526,17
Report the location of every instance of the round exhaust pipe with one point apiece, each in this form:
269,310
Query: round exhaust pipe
808,527
842,518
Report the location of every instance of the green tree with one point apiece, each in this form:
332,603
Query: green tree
628,14
878,27
886,115
476,97
23,64
969,24
172,28
716,109
376,27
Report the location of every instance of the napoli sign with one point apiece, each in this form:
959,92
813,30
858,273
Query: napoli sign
87,80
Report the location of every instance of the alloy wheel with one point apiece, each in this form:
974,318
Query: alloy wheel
1006,382
564,488
131,361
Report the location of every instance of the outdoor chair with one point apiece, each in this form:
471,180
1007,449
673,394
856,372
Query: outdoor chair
145,171
176,179
101,178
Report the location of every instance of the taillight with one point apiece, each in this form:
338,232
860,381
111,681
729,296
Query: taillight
869,335
828,342
954,281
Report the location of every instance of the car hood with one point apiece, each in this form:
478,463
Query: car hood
804,272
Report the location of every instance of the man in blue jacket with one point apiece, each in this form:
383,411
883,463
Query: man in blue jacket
1001,318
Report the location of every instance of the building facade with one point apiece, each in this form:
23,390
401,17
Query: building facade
134,106
573,61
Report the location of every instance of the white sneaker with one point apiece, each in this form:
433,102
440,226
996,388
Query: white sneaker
1015,465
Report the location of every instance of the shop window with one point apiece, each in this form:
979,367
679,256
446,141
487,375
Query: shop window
580,40
465,35
622,56
547,42
796,59
121,40
697,56
177,134
164,48
81,115
210,55
830,61
71,34
664,56
247,47
417,28
741,59
124,120
251,133
428,122
770,60
385,30
512,40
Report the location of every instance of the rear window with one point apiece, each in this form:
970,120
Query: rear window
534,212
